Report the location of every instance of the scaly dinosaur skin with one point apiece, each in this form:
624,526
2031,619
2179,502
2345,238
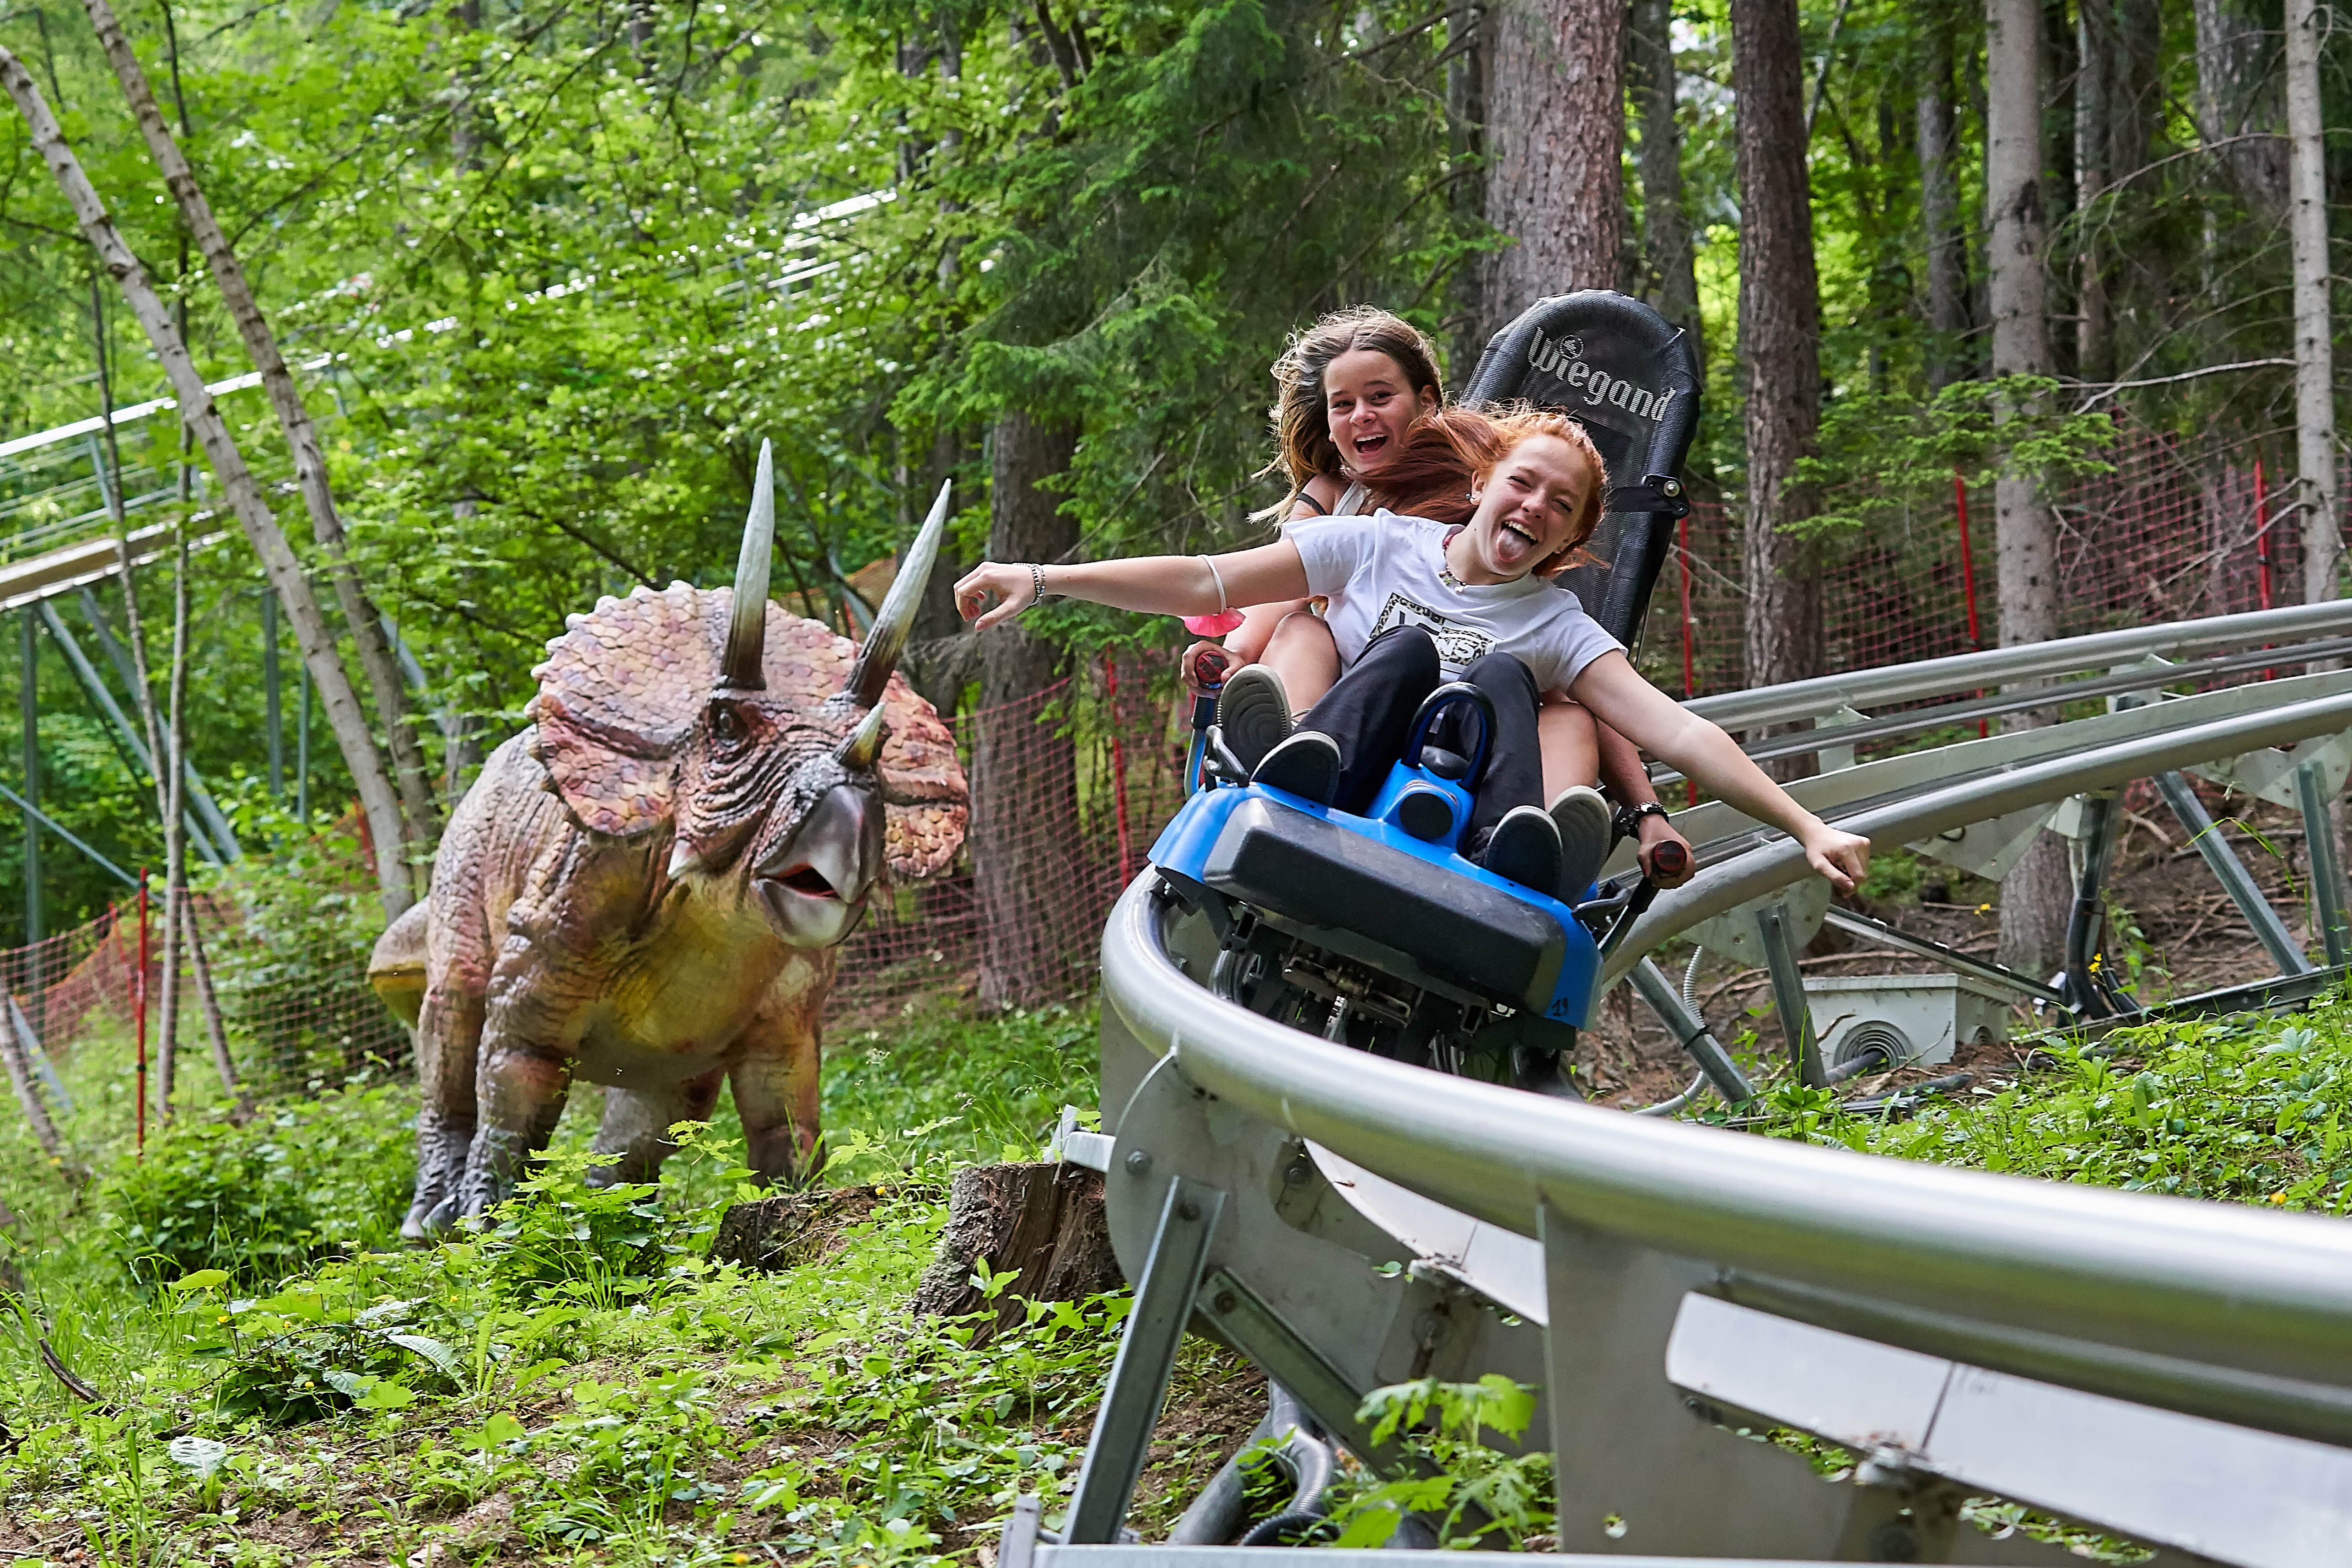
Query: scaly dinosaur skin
644,889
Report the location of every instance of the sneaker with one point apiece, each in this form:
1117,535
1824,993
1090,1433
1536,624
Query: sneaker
1525,849
1586,833
1254,712
1306,765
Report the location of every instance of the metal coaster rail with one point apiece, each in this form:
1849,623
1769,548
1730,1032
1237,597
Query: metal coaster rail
2165,1369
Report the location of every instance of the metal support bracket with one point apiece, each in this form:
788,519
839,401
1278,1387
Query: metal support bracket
2231,873
1146,1358
1788,995
1691,1031
2327,867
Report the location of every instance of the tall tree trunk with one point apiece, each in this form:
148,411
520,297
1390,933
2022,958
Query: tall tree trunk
2314,357
392,711
1466,152
2035,896
377,797
2238,104
1556,137
1779,336
1668,251
2095,45
1024,814
1940,213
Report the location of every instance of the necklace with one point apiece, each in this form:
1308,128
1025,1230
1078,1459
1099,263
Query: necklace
1445,566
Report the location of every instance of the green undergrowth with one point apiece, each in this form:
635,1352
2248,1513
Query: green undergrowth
576,1380
280,1382
2250,1109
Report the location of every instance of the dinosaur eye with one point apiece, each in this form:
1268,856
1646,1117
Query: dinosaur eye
725,722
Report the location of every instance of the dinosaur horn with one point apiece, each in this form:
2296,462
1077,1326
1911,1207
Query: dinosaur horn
895,618
865,743
747,629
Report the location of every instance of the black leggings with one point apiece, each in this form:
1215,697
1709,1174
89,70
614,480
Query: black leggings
1370,714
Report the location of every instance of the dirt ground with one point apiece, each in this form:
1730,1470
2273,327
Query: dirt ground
2190,939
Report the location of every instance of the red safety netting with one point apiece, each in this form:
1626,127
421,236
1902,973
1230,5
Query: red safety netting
1071,784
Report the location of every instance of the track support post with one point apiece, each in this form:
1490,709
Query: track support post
2326,866
1146,1358
2230,872
1788,995
2087,993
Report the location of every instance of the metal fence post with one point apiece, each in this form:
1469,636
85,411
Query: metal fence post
1788,995
1147,1357
2326,866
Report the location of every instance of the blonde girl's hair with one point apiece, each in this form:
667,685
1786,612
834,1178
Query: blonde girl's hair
1302,427
1507,430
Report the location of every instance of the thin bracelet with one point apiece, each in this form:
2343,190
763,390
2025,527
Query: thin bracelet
1036,584
1219,577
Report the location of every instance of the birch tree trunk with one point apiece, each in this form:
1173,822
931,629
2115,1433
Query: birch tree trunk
344,718
383,671
2314,356
2035,896
1940,214
1667,247
1779,336
1556,139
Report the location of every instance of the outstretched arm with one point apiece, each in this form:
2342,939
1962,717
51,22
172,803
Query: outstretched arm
1622,699
1156,584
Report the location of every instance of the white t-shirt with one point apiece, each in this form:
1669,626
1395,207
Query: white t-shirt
1385,570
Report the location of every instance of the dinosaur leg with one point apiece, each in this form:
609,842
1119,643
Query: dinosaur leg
519,1101
448,1037
775,1080
636,1126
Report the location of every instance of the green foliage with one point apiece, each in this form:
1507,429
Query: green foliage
1473,1494
1888,459
300,1181
293,975
562,1236
950,1086
2247,1110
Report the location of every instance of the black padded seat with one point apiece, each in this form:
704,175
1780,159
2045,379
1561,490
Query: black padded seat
1630,378
1312,871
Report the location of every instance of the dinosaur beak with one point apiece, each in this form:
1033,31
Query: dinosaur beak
747,626
813,887
896,619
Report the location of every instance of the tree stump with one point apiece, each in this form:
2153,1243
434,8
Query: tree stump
791,1229
1044,1220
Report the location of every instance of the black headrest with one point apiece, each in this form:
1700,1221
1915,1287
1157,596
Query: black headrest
1630,378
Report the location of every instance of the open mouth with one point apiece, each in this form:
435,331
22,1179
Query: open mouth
809,881
1368,444
1512,528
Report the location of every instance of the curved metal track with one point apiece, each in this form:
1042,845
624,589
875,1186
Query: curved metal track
2179,1372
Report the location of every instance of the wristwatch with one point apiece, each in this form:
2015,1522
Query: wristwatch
1628,820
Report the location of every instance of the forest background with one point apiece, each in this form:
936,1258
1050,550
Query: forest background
549,272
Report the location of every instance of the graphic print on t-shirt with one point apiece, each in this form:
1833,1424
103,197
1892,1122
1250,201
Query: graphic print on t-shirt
1458,645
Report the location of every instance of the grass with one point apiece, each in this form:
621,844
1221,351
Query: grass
580,1383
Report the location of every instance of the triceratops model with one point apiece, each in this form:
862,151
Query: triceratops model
644,889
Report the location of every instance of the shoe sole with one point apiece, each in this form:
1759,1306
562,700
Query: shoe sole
1255,713
1586,836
